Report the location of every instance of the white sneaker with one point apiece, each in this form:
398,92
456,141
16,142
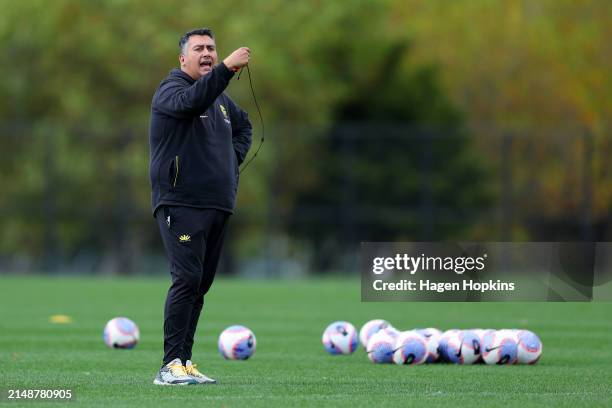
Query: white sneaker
173,373
194,373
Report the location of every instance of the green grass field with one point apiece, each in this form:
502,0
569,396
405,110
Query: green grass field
290,367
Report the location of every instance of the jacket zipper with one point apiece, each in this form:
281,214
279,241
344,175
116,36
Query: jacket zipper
176,172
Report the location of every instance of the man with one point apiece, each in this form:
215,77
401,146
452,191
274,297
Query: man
198,139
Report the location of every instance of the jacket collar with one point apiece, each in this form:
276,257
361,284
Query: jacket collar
177,73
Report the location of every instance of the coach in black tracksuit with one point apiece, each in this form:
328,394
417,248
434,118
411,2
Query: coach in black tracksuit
198,139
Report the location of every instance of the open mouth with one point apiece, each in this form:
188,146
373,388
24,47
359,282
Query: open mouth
206,64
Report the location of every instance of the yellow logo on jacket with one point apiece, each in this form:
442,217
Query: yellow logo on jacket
223,111
225,117
184,238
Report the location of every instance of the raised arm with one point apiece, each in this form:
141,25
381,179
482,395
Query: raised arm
178,99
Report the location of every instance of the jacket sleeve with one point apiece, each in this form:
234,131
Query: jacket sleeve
242,131
175,99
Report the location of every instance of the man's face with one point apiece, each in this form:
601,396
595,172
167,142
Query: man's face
199,56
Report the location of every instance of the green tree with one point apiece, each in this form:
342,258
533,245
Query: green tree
397,164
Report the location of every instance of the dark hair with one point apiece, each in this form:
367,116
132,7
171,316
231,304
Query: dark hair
199,31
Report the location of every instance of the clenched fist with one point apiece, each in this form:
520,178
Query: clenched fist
238,59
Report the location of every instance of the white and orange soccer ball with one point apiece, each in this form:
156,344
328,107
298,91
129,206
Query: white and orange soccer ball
237,343
432,338
499,347
370,328
121,333
410,348
340,338
470,351
381,346
444,340
529,347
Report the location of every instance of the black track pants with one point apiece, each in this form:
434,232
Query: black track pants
193,238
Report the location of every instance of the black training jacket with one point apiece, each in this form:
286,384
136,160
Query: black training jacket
198,137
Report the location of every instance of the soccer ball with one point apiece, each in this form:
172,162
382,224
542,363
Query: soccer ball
410,348
382,346
371,327
432,338
470,347
340,338
499,347
453,344
443,344
121,333
529,347
237,343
